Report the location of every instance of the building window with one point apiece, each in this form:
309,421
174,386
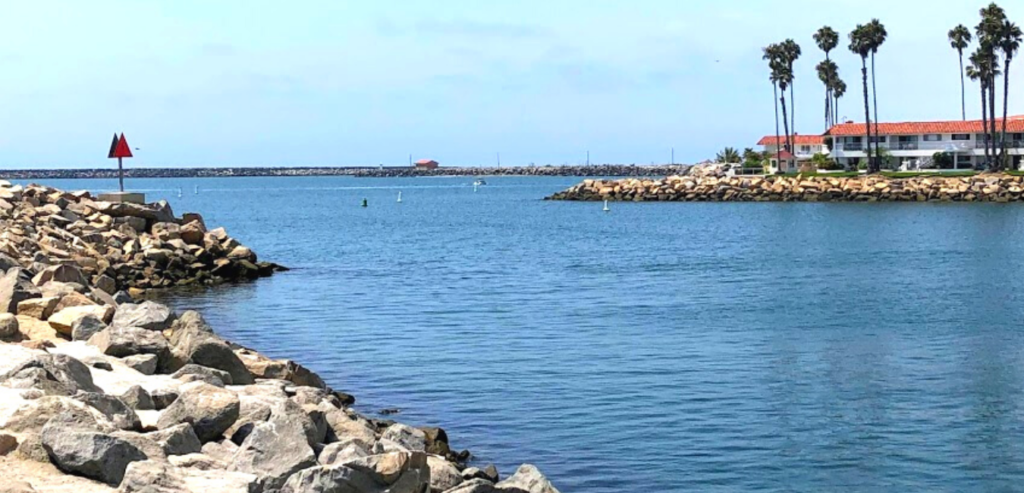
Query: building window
932,138
908,138
854,140
961,136
878,139
981,137
805,149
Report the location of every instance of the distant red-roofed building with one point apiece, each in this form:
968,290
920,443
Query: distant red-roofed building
426,164
804,148
912,145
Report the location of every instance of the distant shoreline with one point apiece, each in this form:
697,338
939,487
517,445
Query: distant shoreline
361,172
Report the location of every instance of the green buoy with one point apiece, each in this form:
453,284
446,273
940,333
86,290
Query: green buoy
365,204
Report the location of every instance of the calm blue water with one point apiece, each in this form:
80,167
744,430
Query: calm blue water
659,347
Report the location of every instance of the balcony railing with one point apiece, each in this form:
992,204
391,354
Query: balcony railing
949,146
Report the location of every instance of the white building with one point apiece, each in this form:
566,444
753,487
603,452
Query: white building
913,145
804,148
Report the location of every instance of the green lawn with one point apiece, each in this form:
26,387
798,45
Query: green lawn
911,174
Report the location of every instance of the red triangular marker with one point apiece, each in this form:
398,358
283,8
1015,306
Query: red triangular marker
122,149
113,145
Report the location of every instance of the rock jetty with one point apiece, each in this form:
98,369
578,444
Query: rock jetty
102,392
117,246
863,188
356,171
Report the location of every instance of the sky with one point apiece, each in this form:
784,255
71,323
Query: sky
346,83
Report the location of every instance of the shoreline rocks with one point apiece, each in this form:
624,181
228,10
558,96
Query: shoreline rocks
100,391
1001,188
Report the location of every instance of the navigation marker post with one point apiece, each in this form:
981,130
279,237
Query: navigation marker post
119,149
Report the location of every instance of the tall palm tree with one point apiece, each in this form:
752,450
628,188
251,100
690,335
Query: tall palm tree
827,39
827,73
876,37
1009,42
860,43
959,39
728,155
791,52
976,71
988,31
838,91
771,54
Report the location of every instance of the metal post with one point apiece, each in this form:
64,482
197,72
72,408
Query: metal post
120,174
673,156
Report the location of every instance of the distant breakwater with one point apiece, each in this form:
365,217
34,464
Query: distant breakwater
865,188
361,172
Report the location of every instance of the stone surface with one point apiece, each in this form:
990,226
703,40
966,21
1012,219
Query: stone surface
528,480
14,289
86,327
138,398
63,321
158,477
73,299
163,398
210,410
412,439
8,327
338,453
274,450
129,341
38,308
343,426
142,363
54,374
76,447
193,369
443,474
8,444
146,315
177,440
119,413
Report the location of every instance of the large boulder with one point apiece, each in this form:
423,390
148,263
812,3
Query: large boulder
177,440
339,453
194,341
15,288
143,363
398,472
122,342
160,477
8,326
152,213
64,321
527,479
210,410
86,327
138,399
443,474
205,374
66,273
38,308
274,450
119,413
342,424
409,438
75,446
146,315
53,374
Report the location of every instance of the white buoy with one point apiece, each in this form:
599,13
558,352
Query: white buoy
606,209
474,187
179,192
399,197
197,189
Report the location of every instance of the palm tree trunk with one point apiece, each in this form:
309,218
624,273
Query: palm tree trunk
785,123
778,143
792,102
963,90
992,116
1006,99
874,97
984,116
828,109
867,113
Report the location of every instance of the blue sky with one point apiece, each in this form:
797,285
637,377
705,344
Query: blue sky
239,83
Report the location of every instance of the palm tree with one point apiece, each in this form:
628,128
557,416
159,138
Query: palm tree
771,53
988,32
976,71
728,156
838,91
984,71
826,74
827,39
791,52
1009,42
876,37
959,39
860,43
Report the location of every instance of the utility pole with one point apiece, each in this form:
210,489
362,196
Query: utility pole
588,158
673,156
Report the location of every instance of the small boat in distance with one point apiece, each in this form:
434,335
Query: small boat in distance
479,182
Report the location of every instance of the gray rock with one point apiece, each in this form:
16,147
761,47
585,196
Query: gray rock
194,369
527,479
343,426
138,399
129,341
412,439
30,417
406,472
160,477
194,341
146,315
86,327
142,363
210,410
476,486
75,447
340,453
163,398
8,326
177,440
443,474
15,288
65,273
339,479
105,283
113,408
54,374
121,298
274,450
307,395
222,451
199,461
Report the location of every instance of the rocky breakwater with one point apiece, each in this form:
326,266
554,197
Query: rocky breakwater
102,393
863,188
117,246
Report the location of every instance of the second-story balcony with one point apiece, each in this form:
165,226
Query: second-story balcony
948,146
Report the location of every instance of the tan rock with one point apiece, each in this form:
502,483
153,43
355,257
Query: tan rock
38,308
73,299
62,320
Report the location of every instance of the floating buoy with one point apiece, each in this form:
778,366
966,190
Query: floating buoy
606,209
179,192
474,187
365,203
399,197
197,189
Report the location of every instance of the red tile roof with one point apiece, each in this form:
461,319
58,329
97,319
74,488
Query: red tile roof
1013,124
769,140
426,161
784,155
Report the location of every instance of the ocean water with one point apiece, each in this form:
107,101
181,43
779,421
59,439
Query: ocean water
668,347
